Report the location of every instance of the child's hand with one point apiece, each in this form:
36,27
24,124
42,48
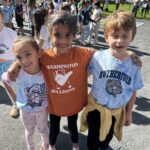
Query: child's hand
136,59
13,71
128,118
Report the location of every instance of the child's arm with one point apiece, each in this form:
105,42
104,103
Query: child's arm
11,92
135,58
8,86
13,71
40,43
129,108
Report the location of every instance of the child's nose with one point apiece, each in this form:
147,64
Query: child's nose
119,39
63,40
24,61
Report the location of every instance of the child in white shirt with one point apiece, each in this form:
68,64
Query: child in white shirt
31,92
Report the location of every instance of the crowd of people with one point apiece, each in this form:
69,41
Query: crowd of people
50,74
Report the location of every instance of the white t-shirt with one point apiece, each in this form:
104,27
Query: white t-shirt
31,91
96,13
44,35
7,37
73,10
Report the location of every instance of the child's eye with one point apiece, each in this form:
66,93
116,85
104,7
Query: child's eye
57,35
125,36
68,35
115,36
28,54
18,57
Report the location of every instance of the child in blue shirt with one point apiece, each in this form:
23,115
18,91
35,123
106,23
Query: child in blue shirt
115,82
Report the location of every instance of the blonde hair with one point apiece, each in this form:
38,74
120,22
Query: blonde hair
118,20
28,40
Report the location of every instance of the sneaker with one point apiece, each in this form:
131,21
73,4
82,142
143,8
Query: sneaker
14,112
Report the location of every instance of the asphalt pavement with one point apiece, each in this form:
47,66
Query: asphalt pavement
135,137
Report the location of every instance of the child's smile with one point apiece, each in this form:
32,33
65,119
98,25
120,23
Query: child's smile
27,57
119,40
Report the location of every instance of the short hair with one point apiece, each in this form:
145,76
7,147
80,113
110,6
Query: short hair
66,6
29,40
97,3
118,20
63,17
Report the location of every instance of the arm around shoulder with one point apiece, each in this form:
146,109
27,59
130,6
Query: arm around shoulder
13,71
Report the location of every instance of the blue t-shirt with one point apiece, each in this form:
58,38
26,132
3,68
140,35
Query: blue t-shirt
31,91
114,80
8,14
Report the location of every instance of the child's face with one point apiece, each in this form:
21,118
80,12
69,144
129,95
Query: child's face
119,41
27,57
61,38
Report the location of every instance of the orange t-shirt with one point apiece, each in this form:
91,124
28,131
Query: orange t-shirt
66,79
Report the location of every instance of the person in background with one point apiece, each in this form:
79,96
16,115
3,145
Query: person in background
65,6
40,19
117,4
136,6
51,8
94,27
73,8
31,9
19,17
7,13
7,37
85,19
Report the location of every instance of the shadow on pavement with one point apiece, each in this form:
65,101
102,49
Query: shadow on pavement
4,98
142,104
140,119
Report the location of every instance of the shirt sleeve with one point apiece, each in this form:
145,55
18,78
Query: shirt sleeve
91,65
138,82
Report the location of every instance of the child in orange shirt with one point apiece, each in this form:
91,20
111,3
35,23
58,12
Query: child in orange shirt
62,65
